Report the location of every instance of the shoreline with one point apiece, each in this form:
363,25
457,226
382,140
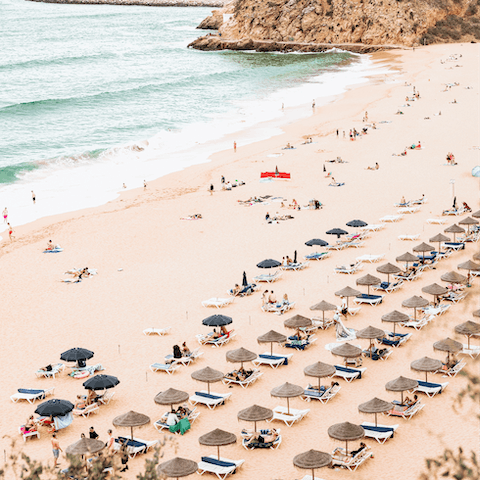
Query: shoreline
144,3
154,270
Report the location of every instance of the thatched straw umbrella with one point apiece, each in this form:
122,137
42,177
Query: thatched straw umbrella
255,414
468,221
468,265
476,313
415,302
422,248
426,365
370,333
240,355
407,258
389,269
311,460
476,256
298,322
476,214
448,345
131,419
207,375
454,229
453,277
177,468
346,432
319,370
347,351
469,329
171,397
347,292
323,307
368,280
287,390
376,405
401,384
217,438
272,337
439,239
435,290
395,317
85,446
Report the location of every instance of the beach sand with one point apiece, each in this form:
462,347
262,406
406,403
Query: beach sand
170,266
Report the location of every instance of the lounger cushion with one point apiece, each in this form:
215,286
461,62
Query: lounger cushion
378,429
220,463
30,392
275,357
386,341
208,395
131,443
348,370
429,385
314,393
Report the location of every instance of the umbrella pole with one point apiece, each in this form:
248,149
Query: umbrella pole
218,451
402,397
131,431
324,319
313,474
346,447
375,418
288,406
368,289
415,313
255,426
319,380
208,387
371,344
426,376
271,348
394,324
468,341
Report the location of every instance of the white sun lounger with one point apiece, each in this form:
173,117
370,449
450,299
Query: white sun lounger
215,342
295,415
374,227
348,269
211,400
473,351
370,258
31,395
348,373
336,246
454,370
30,434
437,221
295,266
408,413
133,451
55,369
211,464
106,398
319,322
244,383
409,237
316,256
353,462
429,388
381,433
391,218
408,210
217,302
268,277
162,367
372,300
416,324
388,287
438,310
278,308
161,425
85,412
273,360
156,331
324,395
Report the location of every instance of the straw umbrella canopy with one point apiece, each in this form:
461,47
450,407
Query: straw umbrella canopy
453,277
476,256
468,265
240,355
375,405
395,317
287,390
319,370
454,229
347,292
323,307
389,269
131,419
407,258
476,214
448,345
426,365
439,239
171,397
272,337
207,375
469,328
347,351
255,414
415,302
311,460
401,384
435,290
85,446
368,280
370,333
298,322
217,438
422,248
476,313
177,468
468,221
346,432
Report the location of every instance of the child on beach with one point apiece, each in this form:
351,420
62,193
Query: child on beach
5,215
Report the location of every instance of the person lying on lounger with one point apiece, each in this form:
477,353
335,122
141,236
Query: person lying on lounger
264,438
185,350
30,424
346,457
48,368
450,362
235,290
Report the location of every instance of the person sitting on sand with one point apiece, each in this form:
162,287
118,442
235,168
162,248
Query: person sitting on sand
289,260
288,145
403,201
265,297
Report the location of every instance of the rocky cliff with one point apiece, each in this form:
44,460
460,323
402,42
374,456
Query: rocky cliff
367,22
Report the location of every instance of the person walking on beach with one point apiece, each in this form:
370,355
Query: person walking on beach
144,185
33,197
313,104
235,147
56,449
211,188
5,215
110,443
10,232
337,132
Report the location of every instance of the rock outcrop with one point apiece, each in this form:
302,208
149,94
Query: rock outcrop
212,22
367,22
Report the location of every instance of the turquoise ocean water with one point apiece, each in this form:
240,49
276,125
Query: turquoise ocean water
83,84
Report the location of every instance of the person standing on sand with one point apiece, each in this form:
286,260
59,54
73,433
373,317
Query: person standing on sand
56,449
313,104
235,147
337,132
33,197
5,215
144,185
110,443
10,232
211,188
